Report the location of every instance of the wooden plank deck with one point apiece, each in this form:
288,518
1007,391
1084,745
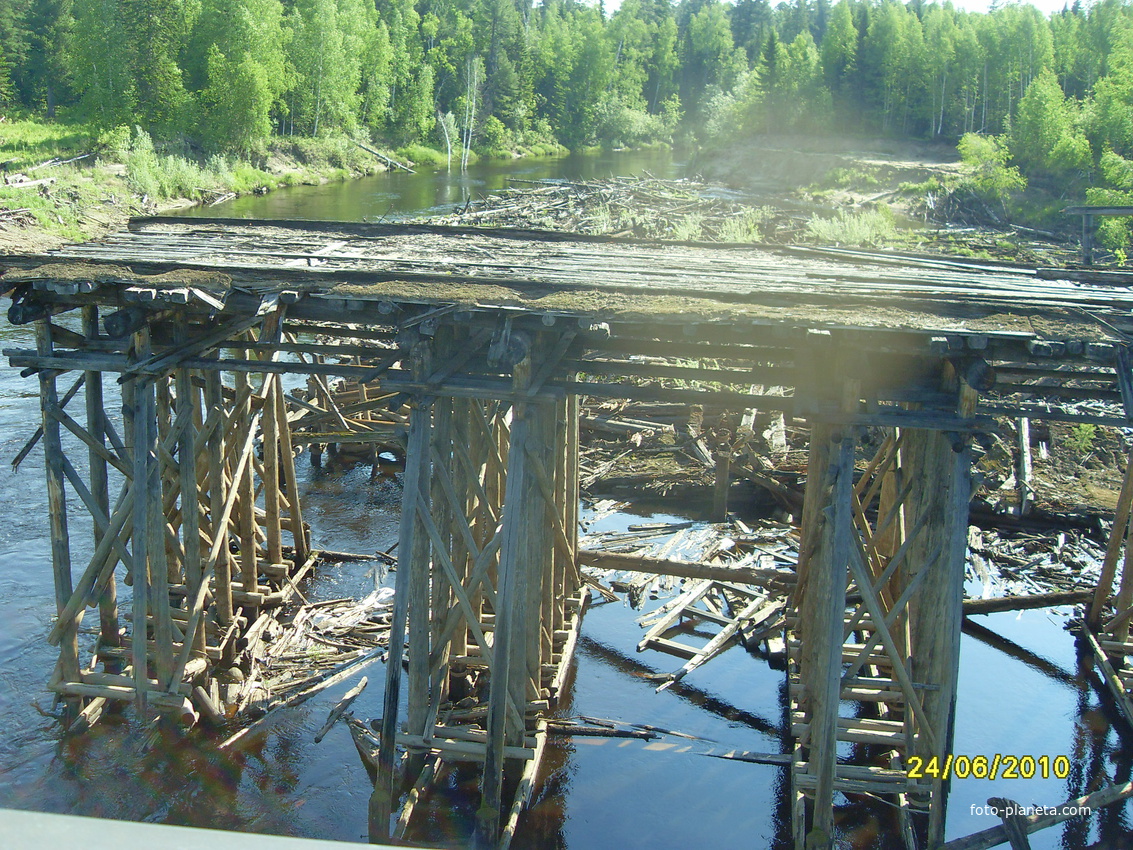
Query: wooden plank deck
595,276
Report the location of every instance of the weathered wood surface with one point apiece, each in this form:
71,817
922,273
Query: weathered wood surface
557,272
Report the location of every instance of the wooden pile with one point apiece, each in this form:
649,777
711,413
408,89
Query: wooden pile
353,421
1021,562
324,643
736,579
646,207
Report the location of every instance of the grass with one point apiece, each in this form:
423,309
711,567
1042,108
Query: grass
25,144
849,178
428,157
688,229
871,227
746,225
129,169
1081,437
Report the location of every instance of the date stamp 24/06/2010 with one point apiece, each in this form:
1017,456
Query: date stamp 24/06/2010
995,766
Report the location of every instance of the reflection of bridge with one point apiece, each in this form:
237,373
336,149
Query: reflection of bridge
492,336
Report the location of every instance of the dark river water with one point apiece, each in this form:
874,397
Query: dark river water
596,793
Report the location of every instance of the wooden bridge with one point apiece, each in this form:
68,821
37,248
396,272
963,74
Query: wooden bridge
491,337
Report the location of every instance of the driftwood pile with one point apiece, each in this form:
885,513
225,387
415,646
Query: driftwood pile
645,207
323,644
724,584
1009,563
676,449
656,450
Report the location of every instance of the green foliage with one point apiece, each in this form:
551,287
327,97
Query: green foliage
225,75
24,143
747,225
1046,137
495,140
244,72
865,228
620,125
688,228
985,167
421,155
931,186
841,178
1081,437
1114,232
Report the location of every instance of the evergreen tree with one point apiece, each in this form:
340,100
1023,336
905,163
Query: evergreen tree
46,74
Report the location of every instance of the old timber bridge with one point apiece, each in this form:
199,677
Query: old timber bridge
492,336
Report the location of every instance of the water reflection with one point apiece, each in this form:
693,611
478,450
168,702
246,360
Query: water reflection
397,194
1038,698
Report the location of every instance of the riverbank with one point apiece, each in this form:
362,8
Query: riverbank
924,190
63,184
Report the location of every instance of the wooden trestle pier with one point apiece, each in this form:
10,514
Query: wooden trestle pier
491,337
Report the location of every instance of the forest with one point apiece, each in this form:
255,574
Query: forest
1049,100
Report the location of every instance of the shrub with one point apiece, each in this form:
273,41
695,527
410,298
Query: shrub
1081,437
426,156
746,225
867,227
986,170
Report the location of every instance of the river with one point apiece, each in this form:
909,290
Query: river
597,793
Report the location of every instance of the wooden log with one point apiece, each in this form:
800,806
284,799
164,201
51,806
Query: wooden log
209,709
270,426
320,684
417,458
757,611
511,592
99,487
822,644
1014,826
1116,685
57,508
33,441
943,492
1020,603
141,422
461,750
175,705
246,512
159,602
340,707
526,786
299,532
570,495
996,835
1117,537
723,483
540,542
683,569
213,400
414,795
1023,474
415,557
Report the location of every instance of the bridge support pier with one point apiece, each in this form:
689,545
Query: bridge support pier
200,556
488,593
875,634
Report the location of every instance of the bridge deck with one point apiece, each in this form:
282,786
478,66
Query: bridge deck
758,311
596,276
493,336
